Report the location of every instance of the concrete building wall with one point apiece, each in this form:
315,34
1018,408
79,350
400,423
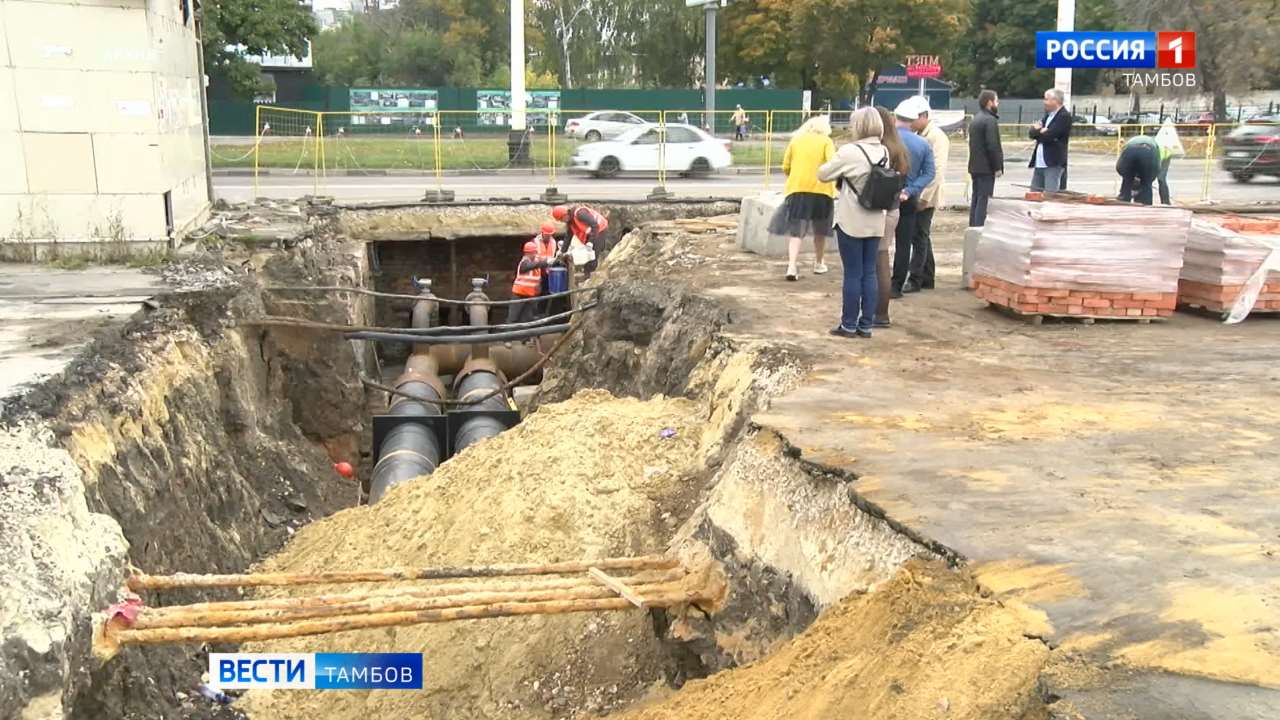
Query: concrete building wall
99,119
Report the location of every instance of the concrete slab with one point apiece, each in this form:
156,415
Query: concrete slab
1119,478
47,315
753,226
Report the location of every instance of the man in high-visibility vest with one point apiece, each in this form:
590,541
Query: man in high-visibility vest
586,225
539,254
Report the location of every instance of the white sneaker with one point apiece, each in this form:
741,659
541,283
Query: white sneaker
792,273
820,269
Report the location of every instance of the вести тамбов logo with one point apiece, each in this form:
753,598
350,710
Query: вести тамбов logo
1136,51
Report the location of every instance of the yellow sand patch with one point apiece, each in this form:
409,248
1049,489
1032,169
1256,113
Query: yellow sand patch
1051,420
1245,644
987,479
1084,642
1250,438
93,444
886,421
1200,525
1028,581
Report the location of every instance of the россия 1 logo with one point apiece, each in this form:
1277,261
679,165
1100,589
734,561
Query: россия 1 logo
1165,50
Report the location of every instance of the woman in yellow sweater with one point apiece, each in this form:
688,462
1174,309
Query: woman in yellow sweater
809,203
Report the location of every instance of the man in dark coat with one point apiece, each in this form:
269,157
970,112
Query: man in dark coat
986,156
1052,135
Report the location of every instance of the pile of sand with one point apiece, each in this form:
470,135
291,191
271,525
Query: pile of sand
591,477
924,645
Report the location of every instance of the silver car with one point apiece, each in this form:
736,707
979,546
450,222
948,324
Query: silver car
602,125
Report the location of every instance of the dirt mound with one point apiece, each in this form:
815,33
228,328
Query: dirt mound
587,478
924,645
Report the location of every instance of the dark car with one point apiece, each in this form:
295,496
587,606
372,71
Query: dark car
1252,150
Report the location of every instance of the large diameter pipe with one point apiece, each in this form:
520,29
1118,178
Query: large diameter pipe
473,386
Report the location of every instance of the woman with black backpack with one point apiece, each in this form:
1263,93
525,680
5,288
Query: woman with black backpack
867,186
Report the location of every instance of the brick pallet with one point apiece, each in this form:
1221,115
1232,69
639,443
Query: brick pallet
1221,298
1072,303
1081,260
1222,253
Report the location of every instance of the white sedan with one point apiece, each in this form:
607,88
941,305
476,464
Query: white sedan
687,150
602,125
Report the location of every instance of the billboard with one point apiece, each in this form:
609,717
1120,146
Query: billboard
494,106
382,100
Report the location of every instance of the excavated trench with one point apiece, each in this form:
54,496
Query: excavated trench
206,440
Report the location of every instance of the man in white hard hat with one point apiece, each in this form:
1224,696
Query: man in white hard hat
920,274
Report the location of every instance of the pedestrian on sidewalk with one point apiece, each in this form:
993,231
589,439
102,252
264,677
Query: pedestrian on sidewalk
986,156
858,227
741,123
809,202
922,269
1052,135
921,176
899,160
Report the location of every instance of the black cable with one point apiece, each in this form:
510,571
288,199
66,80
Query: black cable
442,301
460,339
479,330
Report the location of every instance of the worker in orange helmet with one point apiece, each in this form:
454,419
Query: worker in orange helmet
539,254
586,228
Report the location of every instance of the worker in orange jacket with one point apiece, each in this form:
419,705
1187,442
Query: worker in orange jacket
586,226
539,253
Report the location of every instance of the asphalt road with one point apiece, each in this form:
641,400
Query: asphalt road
1087,174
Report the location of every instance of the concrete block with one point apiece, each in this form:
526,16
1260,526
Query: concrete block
74,101
753,225
74,37
13,171
59,163
971,237
71,218
8,99
129,163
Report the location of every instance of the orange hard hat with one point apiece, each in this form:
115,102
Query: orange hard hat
560,212
549,228
530,248
345,470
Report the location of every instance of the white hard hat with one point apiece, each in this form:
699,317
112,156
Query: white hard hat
912,108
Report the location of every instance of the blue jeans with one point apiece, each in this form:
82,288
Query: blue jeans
1048,179
858,255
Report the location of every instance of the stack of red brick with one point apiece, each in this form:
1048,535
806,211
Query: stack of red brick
1222,253
1081,259
1071,302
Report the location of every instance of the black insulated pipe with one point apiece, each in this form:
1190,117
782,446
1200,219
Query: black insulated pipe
410,449
452,339
476,385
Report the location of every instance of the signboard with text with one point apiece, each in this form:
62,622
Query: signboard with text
923,66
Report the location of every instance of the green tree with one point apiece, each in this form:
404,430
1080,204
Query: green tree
1236,40
232,29
418,43
846,42
999,51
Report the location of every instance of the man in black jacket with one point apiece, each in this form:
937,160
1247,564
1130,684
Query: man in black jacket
986,156
1052,134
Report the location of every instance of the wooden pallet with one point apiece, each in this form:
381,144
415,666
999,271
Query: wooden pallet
1038,318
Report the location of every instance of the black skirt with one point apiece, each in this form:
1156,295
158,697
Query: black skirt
803,214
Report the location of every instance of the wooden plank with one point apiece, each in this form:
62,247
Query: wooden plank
618,586
140,582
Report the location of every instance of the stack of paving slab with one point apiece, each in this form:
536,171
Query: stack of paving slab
1223,252
1081,259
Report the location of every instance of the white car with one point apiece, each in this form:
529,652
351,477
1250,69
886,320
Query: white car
603,125
687,150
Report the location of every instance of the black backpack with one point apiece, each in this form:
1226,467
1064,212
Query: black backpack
883,188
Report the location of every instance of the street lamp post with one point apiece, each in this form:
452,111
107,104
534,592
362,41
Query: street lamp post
710,7
1066,23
